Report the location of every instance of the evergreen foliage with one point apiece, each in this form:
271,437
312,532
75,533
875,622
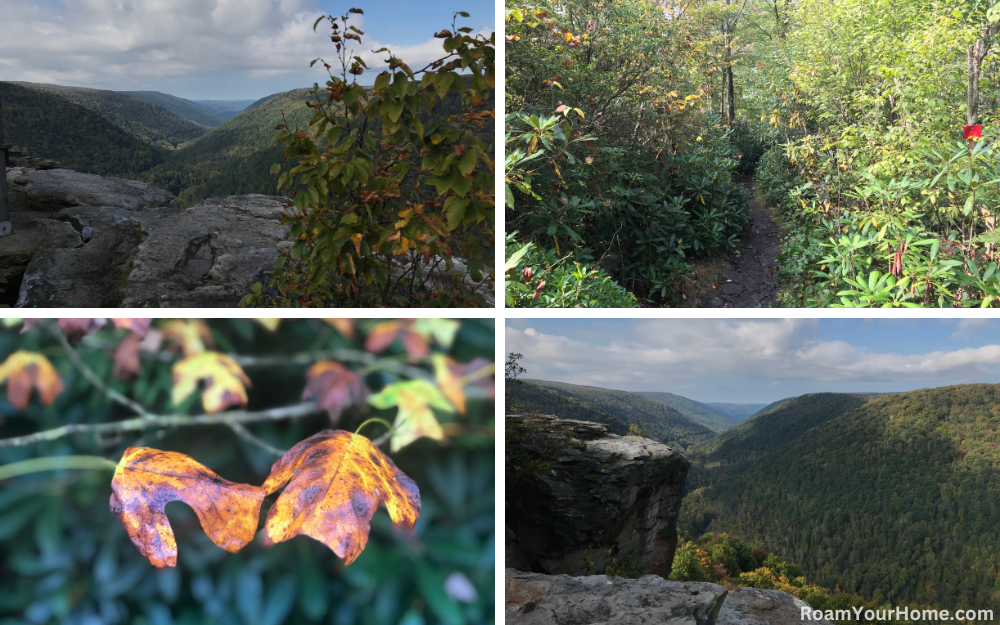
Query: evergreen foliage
187,109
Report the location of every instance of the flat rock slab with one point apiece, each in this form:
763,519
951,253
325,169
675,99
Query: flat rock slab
54,189
533,598
205,255
752,606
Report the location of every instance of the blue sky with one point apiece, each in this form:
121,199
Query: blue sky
211,49
758,360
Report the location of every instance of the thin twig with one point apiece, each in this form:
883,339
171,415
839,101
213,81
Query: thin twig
55,463
88,373
152,421
248,436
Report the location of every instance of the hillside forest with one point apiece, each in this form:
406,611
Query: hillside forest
648,146
840,499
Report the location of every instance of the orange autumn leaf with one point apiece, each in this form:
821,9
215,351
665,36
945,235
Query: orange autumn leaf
25,370
383,334
225,381
338,480
450,375
344,326
333,385
193,337
146,480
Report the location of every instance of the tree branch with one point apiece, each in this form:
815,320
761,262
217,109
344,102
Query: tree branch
153,421
54,463
88,373
248,436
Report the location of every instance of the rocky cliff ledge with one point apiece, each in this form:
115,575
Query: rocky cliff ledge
578,497
82,240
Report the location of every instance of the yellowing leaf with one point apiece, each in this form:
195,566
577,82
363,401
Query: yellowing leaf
333,385
450,376
415,400
146,480
344,326
225,381
192,336
338,480
269,324
25,370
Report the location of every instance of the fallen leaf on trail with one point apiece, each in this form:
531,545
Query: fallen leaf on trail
126,358
138,326
25,370
415,399
76,329
333,385
193,336
225,382
338,480
146,480
344,326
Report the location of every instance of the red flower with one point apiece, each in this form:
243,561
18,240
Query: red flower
972,132
527,273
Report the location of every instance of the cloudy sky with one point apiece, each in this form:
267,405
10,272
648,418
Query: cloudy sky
758,360
211,49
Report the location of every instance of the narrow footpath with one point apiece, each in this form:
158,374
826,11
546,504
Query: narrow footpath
753,280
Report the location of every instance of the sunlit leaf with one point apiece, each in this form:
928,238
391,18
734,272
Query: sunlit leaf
415,417
225,381
24,370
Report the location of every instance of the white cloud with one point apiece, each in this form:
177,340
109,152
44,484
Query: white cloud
674,354
99,43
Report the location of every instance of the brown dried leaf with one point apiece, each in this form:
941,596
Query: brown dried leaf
333,385
126,358
146,480
25,370
338,480
76,329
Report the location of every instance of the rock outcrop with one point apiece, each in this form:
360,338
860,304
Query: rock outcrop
533,598
82,240
578,497
752,606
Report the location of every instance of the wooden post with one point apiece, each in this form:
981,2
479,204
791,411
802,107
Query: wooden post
5,227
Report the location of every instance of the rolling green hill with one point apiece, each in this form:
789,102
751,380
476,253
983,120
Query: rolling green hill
713,419
891,496
143,120
226,108
737,412
187,109
658,421
236,157
533,398
46,125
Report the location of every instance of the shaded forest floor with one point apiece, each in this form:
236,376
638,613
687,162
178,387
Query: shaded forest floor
744,278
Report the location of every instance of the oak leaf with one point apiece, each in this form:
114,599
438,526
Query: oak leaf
146,480
415,418
338,480
225,381
25,370
333,385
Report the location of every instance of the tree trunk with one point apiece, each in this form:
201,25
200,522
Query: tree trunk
976,53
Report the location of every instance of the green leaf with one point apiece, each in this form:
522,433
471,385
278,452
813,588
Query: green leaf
275,169
468,161
382,81
454,208
316,23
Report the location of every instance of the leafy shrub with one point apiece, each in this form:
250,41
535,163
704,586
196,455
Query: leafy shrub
776,177
750,144
541,279
382,189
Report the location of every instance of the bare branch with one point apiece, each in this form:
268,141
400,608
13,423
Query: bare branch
246,435
153,421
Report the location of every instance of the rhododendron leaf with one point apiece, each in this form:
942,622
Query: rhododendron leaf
338,480
225,382
146,480
24,370
415,418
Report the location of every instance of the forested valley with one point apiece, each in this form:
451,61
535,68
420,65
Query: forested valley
834,153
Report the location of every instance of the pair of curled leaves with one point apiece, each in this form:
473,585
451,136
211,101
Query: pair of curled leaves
23,371
415,400
225,381
146,480
336,481
333,386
